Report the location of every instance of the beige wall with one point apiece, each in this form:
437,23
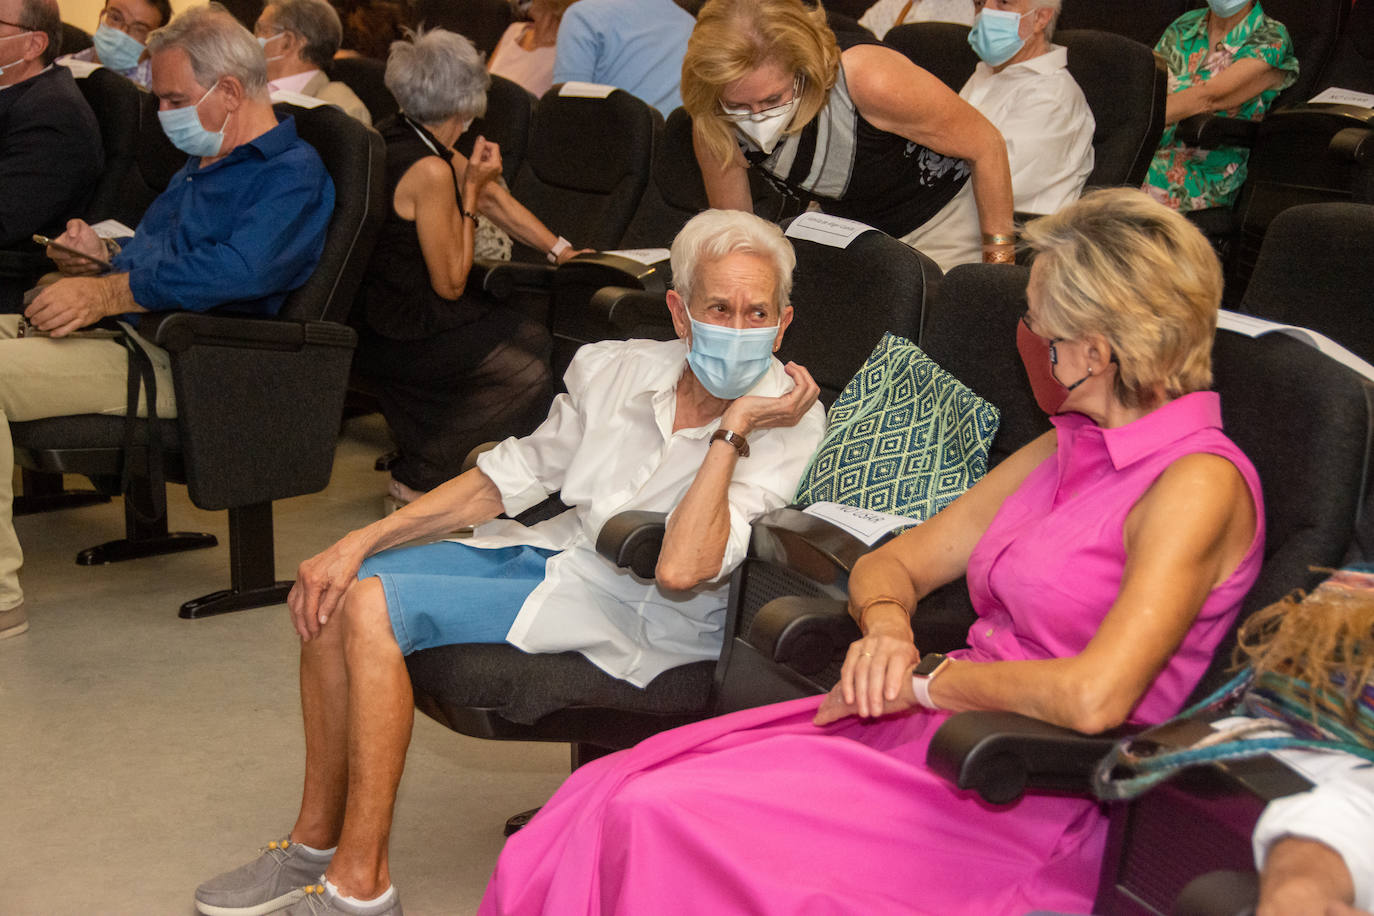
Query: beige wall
84,13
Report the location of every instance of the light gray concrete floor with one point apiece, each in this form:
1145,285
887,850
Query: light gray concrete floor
141,754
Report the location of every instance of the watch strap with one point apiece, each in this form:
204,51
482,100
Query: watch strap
920,683
740,443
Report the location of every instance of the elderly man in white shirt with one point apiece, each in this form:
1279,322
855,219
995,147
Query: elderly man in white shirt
710,428
1022,85
1315,850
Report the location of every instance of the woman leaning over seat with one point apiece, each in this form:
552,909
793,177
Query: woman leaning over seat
1230,58
848,123
1105,561
453,369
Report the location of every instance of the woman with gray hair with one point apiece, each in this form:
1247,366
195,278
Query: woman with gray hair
452,368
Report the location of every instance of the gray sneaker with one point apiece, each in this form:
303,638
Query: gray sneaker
272,881
318,900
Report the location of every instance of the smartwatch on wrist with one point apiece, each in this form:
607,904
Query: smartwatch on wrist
558,248
931,664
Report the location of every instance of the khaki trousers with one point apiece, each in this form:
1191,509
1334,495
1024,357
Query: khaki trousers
41,377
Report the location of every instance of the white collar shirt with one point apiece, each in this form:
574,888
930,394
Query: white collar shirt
296,82
1046,123
608,446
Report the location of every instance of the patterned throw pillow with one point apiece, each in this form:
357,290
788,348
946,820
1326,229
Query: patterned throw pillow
904,437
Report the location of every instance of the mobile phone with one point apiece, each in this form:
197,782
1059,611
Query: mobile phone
66,249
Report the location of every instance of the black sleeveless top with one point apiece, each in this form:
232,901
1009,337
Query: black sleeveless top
396,300
857,171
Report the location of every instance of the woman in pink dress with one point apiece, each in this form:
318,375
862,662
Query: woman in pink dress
1105,560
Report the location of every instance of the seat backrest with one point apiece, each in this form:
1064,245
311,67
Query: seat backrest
1304,421
139,159
1140,20
1352,62
941,48
366,77
1314,26
675,192
119,109
1125,85
587,166
355,157
510,113
970,330
1312,272
482,21
74,38
845,298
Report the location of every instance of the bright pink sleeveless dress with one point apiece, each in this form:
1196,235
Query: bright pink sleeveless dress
761,812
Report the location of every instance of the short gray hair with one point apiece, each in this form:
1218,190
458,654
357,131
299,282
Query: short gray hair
315,21
218,46
44,16
713,234
1054,6
437,74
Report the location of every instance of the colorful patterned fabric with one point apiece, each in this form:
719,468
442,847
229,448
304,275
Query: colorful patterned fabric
904,437
1187,178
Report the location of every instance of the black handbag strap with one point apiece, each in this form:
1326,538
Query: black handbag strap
141,377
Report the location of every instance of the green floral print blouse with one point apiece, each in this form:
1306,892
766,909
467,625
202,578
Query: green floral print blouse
1187,178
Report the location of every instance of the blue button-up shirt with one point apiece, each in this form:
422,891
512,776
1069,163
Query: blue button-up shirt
241,232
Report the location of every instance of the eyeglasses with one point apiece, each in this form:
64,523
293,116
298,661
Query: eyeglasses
1054,354
740,115
15,25
133,28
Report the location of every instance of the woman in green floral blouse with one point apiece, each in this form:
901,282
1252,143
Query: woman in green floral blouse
1228,58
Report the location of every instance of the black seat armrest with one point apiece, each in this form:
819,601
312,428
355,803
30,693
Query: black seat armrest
1002,754
500,279
805,634
1210,130
1355,144
1219,893
179,331
632,540
632,312
808,544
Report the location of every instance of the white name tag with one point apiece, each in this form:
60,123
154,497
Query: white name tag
824,229
578,90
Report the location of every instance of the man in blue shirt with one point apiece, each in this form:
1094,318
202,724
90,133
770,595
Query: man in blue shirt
635,45
241,225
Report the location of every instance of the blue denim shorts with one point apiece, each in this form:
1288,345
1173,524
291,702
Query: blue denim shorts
445,593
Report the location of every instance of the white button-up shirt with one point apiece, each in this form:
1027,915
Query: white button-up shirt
1046,123
608,445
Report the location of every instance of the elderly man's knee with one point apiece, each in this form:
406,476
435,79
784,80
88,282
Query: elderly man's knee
364,611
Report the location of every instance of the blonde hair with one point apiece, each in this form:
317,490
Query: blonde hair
1117,263
1325,639
733,38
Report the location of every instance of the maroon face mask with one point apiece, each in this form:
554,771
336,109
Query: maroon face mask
1039,357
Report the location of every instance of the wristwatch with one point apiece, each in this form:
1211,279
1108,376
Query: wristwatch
931,664
740,443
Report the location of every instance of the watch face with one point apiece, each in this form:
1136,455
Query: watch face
928,663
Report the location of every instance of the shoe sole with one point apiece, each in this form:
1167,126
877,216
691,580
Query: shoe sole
15,630
261,909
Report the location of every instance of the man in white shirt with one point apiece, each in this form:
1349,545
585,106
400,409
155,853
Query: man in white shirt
1022,85
1315,850
1031,98
710,428
299,39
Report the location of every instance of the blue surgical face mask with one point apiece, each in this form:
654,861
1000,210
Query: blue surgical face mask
730,361
17,61
1227,8
263,43
996,36
183,128
116,50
